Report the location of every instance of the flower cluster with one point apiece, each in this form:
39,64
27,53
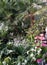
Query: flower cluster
34,52
43,45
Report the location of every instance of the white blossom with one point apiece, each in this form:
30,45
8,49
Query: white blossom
31,55
38,52
34,58
18,63
4,63
25,61
32,49
35,47
37,6
6,28
1,26
27,52
40,49
9,43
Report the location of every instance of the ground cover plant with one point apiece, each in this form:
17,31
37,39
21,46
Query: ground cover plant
23,32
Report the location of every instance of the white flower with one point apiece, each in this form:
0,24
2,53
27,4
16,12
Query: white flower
18,63
35,50
35,47
11,34
32,49
25,61
22,24
9,43
34,58
23,41
9,51
4,63
6,28
37,6
27,52
1,26
31,55
34,4
39,51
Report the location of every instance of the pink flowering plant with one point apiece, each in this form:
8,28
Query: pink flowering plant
38,49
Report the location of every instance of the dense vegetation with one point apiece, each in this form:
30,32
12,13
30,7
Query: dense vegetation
23,39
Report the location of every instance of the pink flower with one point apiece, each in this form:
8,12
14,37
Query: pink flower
39,60
44,45
42,38
36,37
42,35
44,41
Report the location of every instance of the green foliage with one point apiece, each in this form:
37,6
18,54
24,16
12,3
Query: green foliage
16,18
